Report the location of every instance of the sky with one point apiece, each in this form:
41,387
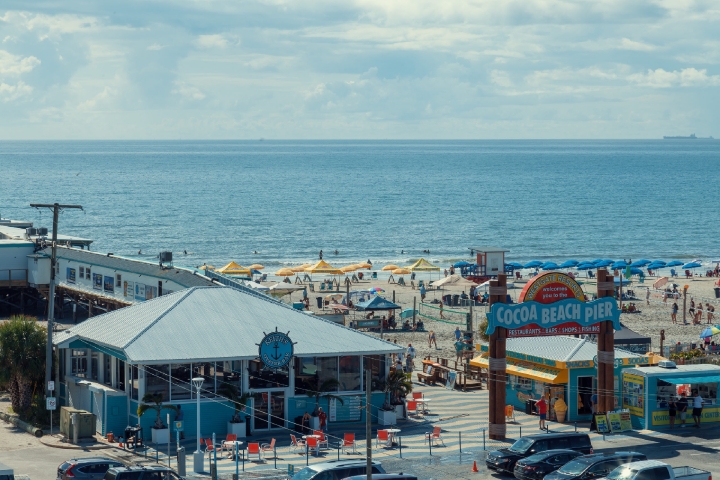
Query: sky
372,69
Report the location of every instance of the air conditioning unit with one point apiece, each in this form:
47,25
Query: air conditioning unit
165,257
31,231
42,231
667,364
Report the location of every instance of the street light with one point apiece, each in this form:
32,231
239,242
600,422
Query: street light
198,457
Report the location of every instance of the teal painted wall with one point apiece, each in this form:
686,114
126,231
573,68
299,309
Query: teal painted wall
116,415
299,405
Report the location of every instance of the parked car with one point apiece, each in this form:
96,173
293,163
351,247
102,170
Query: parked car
6,473
90,468
504,460
594,466
535,467
142,472
334,469
384,476
654,470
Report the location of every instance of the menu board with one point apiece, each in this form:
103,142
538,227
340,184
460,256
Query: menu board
614,420
602,423
348,411
625,421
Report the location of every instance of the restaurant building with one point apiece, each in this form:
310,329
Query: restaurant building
109,362
558,367
647,391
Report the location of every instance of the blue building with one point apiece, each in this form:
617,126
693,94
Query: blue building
109,362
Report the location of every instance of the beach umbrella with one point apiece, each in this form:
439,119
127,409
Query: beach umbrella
625,282
620,264
655,266
673,263
348,268
462,263
603,263
401,271
533,264
376,290
364,265
390,268
692,265
636,271
569,264
709,331
300,268
597,260
659,262
408,313
285,272
515,265
550,266
586,266
640,263
256,266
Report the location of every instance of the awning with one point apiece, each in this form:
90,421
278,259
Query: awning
694,379
527,370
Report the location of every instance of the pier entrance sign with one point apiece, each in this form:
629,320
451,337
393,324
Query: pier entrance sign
276,350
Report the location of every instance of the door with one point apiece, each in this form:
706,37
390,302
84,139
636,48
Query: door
97,409
269,411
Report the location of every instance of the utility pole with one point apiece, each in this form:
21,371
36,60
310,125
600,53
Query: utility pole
368,423
56,208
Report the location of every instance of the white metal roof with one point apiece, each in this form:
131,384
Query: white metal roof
213,323
561,349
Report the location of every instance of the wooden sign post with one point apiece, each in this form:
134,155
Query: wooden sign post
497,364
606,348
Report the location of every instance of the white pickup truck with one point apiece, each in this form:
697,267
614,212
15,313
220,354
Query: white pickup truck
654,470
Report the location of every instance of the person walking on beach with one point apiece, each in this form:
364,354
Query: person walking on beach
458,333
699,314
647,296
682,406
423,292
665,295
691,310
541,406
431,339
673,315
441,310
710,313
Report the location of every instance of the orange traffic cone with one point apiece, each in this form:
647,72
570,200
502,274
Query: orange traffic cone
475,469
120,444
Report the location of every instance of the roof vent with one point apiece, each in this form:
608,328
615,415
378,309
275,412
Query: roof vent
667,364
31,231
42,231
166,259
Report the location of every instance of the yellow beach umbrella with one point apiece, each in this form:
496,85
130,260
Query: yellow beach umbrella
323,267
285,272
401,271
423,265
365,265
233,268
300,268
389,268
256,266
348,268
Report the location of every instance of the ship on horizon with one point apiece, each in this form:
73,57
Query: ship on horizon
691,137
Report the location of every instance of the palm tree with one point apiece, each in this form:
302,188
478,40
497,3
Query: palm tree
232,393
396,386
323,391
22,357
153,401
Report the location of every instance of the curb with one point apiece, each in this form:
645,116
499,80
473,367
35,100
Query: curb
48,442
22,424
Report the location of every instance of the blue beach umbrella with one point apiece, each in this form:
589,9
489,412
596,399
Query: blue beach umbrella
640,263
586,266
515,265
569,264
692,265
550,266
603,263
620,264
407,313
533,264
636,271
460,264
659,262
597,260
673,263
655,266
625,282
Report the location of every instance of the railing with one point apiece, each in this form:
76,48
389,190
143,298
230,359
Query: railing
10,277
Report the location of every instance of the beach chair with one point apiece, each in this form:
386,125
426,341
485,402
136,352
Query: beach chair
254,449
311,286
434,436
296,444
673,273
417,395
591,274
313,444
209,447
421,283
231,437
322,287
688,274
382,436
322,440
401,281
268,447
412,407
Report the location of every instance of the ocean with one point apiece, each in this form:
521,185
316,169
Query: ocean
386,201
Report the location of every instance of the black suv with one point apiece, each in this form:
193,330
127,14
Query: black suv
142,472
91,468
503,460
594,466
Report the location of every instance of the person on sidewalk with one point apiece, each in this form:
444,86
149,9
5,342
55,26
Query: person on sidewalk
322,416
682,406
179,418
697,409
541,406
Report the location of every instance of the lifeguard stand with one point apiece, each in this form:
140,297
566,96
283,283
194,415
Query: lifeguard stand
490,261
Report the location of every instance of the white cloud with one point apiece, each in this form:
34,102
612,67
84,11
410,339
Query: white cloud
214,41
188,91
15,64
687,77
99,98
9,93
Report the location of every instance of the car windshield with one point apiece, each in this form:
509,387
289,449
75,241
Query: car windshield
521,446
574,467
305,474
622,473
538,457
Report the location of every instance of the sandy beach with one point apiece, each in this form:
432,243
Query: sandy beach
649,322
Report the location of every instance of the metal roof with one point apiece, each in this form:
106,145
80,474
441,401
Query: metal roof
561,349
216,323
182,276
680,370
488,249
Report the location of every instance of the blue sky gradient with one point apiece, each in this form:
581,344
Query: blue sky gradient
359,69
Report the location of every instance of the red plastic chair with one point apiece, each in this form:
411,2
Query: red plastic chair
296,444
417,395
268,447
348,442
312,443
382,436
412,407
434,436
254,449
209,447
322,439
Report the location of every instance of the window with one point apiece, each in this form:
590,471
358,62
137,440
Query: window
134,382
87,273
157,380
661,473
82,272
107,369
305,375
560,443
205,370
180,386
350,374
600,469
118,280
94,365
585,393
79,363
261,377
376,364
327,369
540,446
120,374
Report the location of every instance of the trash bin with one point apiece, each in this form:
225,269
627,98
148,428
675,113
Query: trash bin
717,292
529,404
319,302
456,300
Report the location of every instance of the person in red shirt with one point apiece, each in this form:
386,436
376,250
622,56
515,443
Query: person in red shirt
323,419
541,406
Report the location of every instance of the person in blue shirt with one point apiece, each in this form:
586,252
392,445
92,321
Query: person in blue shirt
593,402
458,333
